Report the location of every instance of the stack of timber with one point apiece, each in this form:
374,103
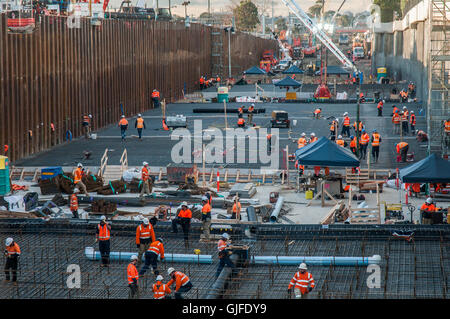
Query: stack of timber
113,187
103,207
93,182
49,186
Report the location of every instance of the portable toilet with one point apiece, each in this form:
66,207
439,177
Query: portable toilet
381,73
222,94
4,175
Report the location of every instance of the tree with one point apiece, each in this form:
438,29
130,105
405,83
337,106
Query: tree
387,8
315,10
246,15
280,24
204,15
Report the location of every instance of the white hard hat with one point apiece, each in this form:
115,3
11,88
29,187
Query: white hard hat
144,163
159,278
346,113
303,134
123,116
90,115
139,114
340,136
134,257
302,266
80,165
253,104
184,204
226,236
404,107
103,217
170,270
145,221
312,134
8,241
412,112
429,200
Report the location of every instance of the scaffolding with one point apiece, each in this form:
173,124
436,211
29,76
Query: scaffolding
438,76
217,52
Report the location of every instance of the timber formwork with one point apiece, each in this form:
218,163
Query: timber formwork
416,269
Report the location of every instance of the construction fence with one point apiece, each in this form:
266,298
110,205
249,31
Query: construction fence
53,76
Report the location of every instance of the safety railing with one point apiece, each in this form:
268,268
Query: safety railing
124,161
103,163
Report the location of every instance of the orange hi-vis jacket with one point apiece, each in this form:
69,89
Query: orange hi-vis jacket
160,290
206,210
78,175
123,121
301,142
396,118
380,105
221,245
394,110
365,138
400,146
132,273
202,80
375,139
139,122
447,126
317,111
302,281
241,121
145,174
103,232
429,208
13,249
73,202
180,280
240,110
346,121
312,140
155,94
158,248
251,109
302,167
185,213
237,208
86,119
340,142
353,143
144,232
218,79
412,120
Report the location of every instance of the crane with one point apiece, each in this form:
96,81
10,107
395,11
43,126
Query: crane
286,54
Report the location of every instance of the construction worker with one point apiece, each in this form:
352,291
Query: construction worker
412,122
404,120
145,235
155,249
224,254
375,139
241,112
333,129
236,211
380,108
241,122
74,205
394,109
78,175
155,98
269,141
353,144
447,126
139,125
202,83
427,210
312,138
396,119
301,142
206,217
182,282
404,95
87,125
250,111
340,141
184,219
145,177
133,277
316,113
364,142
160,290
402,150
362,99
303,282
300,168
123,124
12,254
103,236
355,125
346,125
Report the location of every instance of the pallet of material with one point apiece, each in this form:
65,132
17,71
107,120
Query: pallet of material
66,184
371,185
113,187
330,217
102,206
92,182
49,186
135,186
243,190
9,214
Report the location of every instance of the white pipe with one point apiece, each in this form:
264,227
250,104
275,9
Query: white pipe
315,260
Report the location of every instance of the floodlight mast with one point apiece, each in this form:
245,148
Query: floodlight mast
312,26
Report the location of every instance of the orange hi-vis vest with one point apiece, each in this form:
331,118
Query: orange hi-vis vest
447,126
123,121
221,245
301,142
218,79
155,94
145,174
160,290
360,125
202,80
132,273
180,280
365,138
206,209
332,126
302,281
185,213
412,120
396,118
340,142
317,111
302,167
428,208
241,121
394,110
312,140
157,247
251,109
13,249
376,139
144,232
353,143
78,175
86,119
103,232
73,202
140,122
404,117
237,208
400,146
346,121
380,105
240,110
